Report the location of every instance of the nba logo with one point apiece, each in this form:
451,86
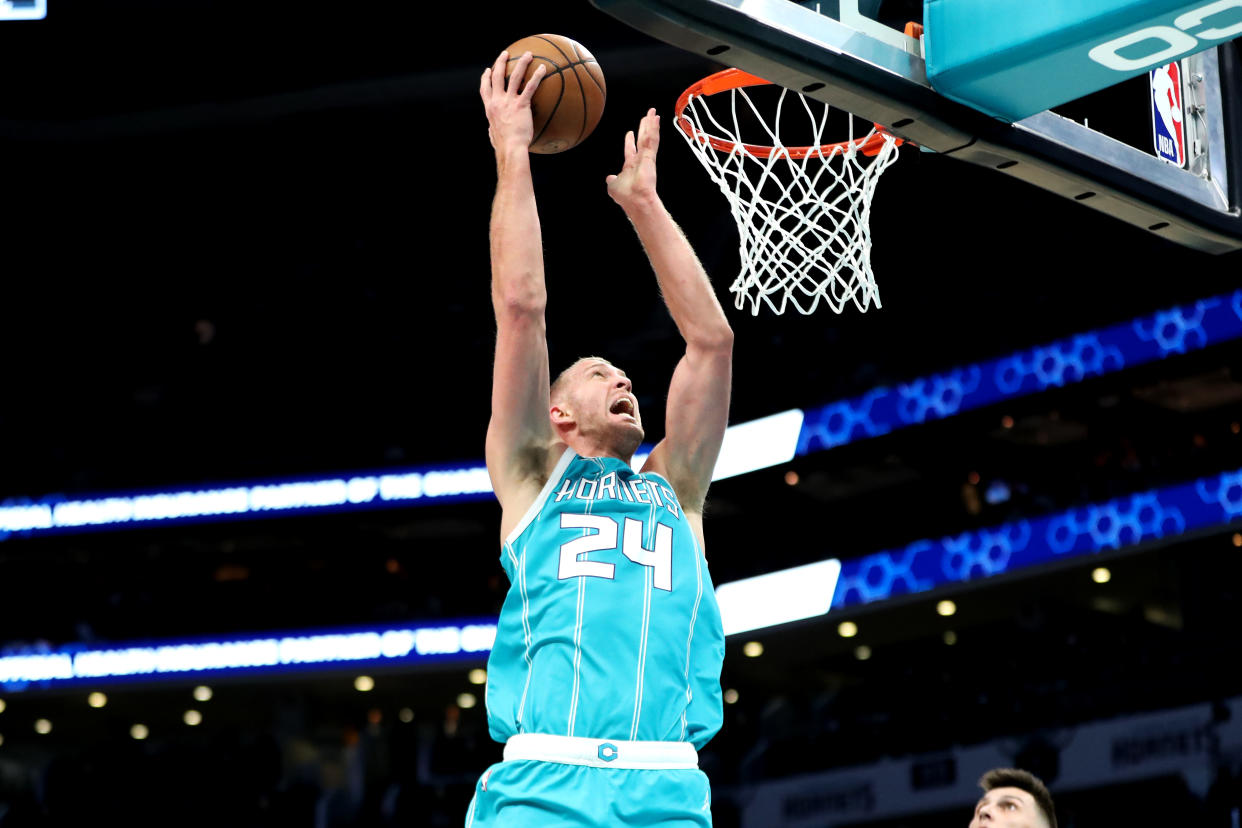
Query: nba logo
1168,131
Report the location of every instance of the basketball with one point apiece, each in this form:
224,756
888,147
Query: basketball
570,99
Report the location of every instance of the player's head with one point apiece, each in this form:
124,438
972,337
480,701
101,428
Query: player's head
593,408
1013,799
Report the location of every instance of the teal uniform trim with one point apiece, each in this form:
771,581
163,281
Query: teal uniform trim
531,794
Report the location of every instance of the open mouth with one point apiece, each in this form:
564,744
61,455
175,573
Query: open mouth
623,405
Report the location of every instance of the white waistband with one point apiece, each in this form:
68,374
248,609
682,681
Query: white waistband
602,753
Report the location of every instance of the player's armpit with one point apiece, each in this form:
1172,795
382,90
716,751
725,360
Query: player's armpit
519,434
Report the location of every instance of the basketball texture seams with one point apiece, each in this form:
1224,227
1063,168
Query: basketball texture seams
570,64
553,44
567,106
587,66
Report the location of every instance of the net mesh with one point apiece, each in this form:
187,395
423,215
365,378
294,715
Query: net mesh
802,218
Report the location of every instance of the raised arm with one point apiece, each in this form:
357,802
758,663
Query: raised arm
519,434
698,397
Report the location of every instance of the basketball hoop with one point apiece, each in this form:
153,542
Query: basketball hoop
802,212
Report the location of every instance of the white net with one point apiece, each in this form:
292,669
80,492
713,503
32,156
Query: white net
803,221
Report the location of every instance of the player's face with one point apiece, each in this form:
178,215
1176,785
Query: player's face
605,402
1007,808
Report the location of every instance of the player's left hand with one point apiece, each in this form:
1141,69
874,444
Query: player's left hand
637,180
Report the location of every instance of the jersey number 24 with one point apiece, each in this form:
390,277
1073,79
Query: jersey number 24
573,562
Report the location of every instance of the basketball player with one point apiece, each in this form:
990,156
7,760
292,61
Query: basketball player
1013,799
605,676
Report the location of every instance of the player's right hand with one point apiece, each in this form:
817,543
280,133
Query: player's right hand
637,180
510,125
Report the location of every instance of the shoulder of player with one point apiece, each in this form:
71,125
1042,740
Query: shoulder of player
691,499
689,493
518,489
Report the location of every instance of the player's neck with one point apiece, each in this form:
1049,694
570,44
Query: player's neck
586,447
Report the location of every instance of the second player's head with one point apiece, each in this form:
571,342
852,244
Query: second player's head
1013,798
594,410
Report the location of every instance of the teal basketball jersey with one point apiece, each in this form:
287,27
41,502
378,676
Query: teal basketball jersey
610,628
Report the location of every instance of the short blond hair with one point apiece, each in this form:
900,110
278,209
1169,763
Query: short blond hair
562,379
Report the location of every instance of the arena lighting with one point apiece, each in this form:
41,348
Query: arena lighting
748,446
23,9
997,492
55,513
758,444
1208,503
255,654
1177,330
777,597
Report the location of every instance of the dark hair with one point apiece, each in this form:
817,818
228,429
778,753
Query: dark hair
1023,781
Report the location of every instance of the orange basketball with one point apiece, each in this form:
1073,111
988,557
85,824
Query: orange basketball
570,98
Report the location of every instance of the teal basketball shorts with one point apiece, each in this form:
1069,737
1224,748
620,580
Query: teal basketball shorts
561,781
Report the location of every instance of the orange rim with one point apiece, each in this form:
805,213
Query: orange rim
737,79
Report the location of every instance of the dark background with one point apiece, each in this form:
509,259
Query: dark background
250,241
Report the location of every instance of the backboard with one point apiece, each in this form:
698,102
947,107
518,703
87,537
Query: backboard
854,54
